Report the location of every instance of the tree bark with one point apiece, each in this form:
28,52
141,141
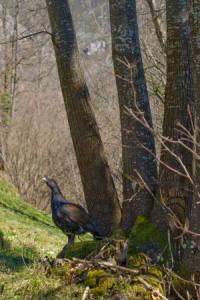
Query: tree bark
100,193
177,190
139,165
193,260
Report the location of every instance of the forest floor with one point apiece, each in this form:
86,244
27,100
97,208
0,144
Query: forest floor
29,243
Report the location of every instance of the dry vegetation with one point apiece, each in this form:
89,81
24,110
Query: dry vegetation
39,140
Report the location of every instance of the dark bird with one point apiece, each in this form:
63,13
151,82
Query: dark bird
71,218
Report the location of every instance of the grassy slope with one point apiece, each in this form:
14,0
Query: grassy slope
29,236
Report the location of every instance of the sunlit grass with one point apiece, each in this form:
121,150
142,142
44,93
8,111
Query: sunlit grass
29,236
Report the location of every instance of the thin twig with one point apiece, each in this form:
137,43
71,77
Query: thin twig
170,248
109,265
86,293
151,288
26,36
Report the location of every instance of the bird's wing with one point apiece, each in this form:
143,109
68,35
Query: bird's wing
76,213
78,218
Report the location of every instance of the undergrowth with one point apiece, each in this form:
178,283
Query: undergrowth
29,243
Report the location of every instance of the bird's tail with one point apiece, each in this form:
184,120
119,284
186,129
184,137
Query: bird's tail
96,233
97,236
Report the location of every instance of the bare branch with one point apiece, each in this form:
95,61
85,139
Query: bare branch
26,36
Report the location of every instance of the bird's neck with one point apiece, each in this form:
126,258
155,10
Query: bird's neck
57,196
55,190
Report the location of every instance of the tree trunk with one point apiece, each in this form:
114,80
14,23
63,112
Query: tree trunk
100,193
193,260
139,165
7,98
157,24
6,79
176,189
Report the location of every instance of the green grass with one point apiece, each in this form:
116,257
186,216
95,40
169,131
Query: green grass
24,226
29,236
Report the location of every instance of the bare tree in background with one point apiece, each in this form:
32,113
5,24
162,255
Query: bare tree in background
139,167
157,24
5,81
100,193
9,81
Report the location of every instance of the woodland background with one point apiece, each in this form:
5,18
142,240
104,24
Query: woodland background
39,140
128,156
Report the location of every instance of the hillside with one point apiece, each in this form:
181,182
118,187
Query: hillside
29,243
28,236
29,269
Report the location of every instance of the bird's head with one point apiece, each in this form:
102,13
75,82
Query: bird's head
52,184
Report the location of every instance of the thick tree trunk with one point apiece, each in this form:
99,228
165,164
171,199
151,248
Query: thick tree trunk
100,193
193,260
176,189
139,165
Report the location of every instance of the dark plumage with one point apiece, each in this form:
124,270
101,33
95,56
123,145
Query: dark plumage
69,217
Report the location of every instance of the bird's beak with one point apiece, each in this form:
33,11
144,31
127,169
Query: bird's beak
44,179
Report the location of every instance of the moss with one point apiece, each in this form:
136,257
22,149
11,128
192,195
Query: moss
100,282
94,276
156,272
6,104
84,248
145,237
135,290
140,292
183,282
138,260
62,272
153,275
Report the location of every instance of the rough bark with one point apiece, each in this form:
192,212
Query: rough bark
176,190
139,166
98,185
193,260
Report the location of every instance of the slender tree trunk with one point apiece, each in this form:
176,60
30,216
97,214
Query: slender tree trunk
14,58
193,260
176,189
7,69
6,77
139,166
100,193
9,79
157,24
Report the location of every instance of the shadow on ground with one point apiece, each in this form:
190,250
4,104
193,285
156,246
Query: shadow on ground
14,259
